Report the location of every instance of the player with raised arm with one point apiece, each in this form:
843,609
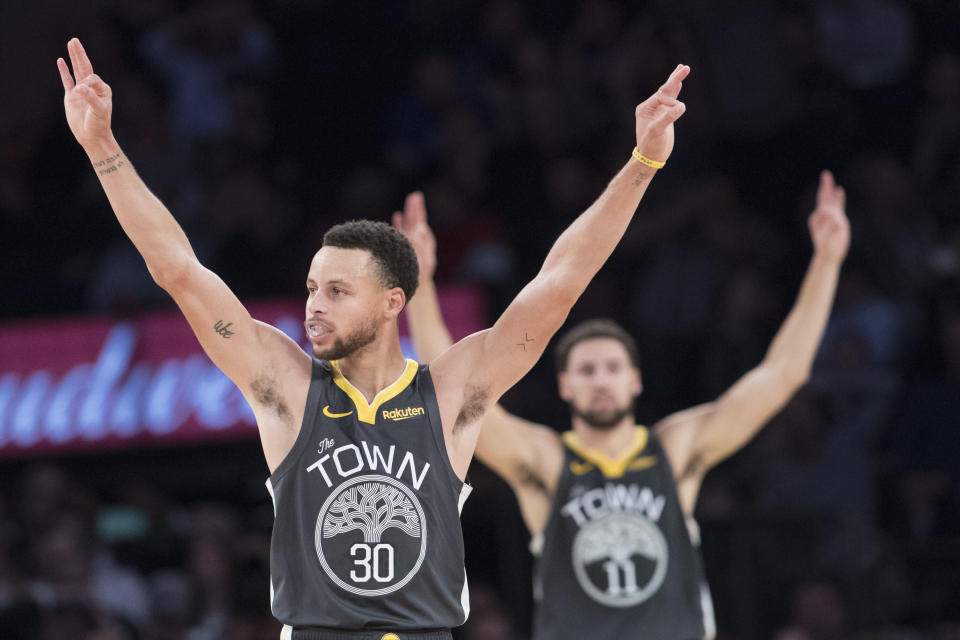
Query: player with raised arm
367,450
610,504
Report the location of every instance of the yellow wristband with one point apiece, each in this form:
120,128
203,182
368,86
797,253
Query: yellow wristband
642,159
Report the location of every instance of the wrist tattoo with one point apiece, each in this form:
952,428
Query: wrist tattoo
523,342
640,179
223,329
109,165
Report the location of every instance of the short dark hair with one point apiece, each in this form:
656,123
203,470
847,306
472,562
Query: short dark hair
600,328
396,260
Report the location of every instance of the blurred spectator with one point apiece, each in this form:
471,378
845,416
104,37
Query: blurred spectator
488,618
927,439
872,42
198,53
821,469
818,613
69,568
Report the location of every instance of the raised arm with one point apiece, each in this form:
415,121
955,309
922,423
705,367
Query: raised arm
475,372
699,438
269,368
427,328
528,456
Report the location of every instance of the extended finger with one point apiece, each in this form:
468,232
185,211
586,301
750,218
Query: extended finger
65,76
826,191
398,221
415,209
671,88
78,58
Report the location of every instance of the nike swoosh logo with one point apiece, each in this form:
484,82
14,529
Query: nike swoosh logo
642,463
326,412
581,468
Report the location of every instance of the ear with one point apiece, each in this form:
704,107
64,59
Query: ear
395,301
638,382
562,387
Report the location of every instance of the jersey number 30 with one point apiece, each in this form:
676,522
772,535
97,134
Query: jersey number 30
372,561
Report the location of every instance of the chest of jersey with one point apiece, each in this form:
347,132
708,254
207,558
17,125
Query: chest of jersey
617,561
368,509
611,516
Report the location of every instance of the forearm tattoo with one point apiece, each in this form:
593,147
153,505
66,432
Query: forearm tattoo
641,179
111,164
223,329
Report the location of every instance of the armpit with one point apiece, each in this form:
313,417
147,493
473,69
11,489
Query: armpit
529,479
265,393
695,466
474,406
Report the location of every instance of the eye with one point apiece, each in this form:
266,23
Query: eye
337,291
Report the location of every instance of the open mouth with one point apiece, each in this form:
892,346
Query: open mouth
317,329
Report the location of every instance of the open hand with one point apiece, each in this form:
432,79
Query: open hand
87,99
656,115
829,227
412,223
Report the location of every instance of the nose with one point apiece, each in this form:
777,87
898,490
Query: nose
601,381
315,306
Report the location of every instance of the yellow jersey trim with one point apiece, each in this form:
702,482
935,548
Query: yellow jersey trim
367,412
610,467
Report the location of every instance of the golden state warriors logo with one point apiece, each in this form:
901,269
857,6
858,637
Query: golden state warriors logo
620,559
371,535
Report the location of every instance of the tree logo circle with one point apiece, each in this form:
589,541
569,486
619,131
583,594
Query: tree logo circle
620,559
371,535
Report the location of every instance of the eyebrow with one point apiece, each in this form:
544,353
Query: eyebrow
311,281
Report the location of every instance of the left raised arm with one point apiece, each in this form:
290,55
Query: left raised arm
699,438
475,372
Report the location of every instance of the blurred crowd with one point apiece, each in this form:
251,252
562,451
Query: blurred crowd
261,124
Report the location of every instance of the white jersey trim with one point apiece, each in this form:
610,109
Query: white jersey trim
465,492
465,597
706,608
273,498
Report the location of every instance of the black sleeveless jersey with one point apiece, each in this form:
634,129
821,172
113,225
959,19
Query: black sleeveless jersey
367,530
617,557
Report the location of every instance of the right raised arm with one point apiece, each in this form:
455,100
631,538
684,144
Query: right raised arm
528,456
270,369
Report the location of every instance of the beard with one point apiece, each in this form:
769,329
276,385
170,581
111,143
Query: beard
607,419
343,347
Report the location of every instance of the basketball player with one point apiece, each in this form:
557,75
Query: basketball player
610,504
367,451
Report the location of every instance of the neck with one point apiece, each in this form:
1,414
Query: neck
376,366
610,441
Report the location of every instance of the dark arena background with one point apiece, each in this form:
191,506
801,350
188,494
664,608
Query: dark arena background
132,499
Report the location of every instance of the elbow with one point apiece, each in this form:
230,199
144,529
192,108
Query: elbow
794,377
563,290
788,376
171,275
